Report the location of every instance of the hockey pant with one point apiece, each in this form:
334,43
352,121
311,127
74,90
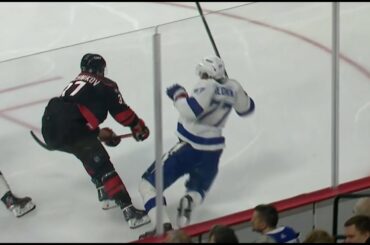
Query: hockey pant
63,124
202,167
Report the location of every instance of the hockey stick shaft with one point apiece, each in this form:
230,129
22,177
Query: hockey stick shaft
45,146
122,136
209,32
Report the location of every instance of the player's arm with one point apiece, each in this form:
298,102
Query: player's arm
244,104
191,107
124,115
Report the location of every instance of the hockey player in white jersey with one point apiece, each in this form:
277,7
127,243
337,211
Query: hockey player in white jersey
202,116
18,206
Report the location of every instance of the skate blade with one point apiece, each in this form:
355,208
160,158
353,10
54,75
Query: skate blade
106,205
21,212
133,224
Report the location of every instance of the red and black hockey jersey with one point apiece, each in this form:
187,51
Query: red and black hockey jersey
95,96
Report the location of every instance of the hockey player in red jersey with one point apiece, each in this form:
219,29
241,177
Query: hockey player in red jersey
19,206
71,124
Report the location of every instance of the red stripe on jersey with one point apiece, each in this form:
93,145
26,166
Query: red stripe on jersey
126,117
92,121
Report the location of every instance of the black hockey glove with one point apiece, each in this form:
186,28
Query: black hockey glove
140,132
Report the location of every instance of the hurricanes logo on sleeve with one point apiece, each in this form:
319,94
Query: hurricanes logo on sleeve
120,99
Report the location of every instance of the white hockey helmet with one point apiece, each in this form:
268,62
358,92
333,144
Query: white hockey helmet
213,66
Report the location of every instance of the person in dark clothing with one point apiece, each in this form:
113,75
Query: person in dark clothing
70,123
357,229
222,234
265,219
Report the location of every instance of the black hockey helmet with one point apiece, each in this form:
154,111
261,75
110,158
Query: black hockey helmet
93,63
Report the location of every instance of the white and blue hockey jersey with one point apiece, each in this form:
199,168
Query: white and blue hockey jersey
284,234
204,113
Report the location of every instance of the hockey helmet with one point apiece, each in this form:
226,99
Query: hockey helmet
93,63
213,66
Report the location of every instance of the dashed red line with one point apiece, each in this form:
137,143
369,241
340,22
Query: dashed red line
24,105
30,84
19,122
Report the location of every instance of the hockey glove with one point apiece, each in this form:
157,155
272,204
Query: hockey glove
109,138
176,91
140,132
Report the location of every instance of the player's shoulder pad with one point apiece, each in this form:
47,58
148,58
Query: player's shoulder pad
204,85
110,83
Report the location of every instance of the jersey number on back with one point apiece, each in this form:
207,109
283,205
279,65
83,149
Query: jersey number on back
74,87
218,106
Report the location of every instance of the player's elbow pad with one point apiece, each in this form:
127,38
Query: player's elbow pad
250,109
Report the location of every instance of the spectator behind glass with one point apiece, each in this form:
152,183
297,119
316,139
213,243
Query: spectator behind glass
222,234
362,206
357,229
177,236
265,219
319,236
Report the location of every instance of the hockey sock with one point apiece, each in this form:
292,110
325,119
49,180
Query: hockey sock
196,197
148,193
115,189
6,197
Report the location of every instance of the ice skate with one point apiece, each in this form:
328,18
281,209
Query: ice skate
19,206
166,227
105,201
135,217
184,211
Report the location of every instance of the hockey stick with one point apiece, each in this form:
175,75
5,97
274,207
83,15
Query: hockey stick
209,32
45,146
40,142
122,136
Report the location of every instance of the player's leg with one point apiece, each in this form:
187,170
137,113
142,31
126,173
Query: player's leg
173,168
200,180
98,165
106,202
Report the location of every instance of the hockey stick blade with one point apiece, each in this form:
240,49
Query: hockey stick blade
40,142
